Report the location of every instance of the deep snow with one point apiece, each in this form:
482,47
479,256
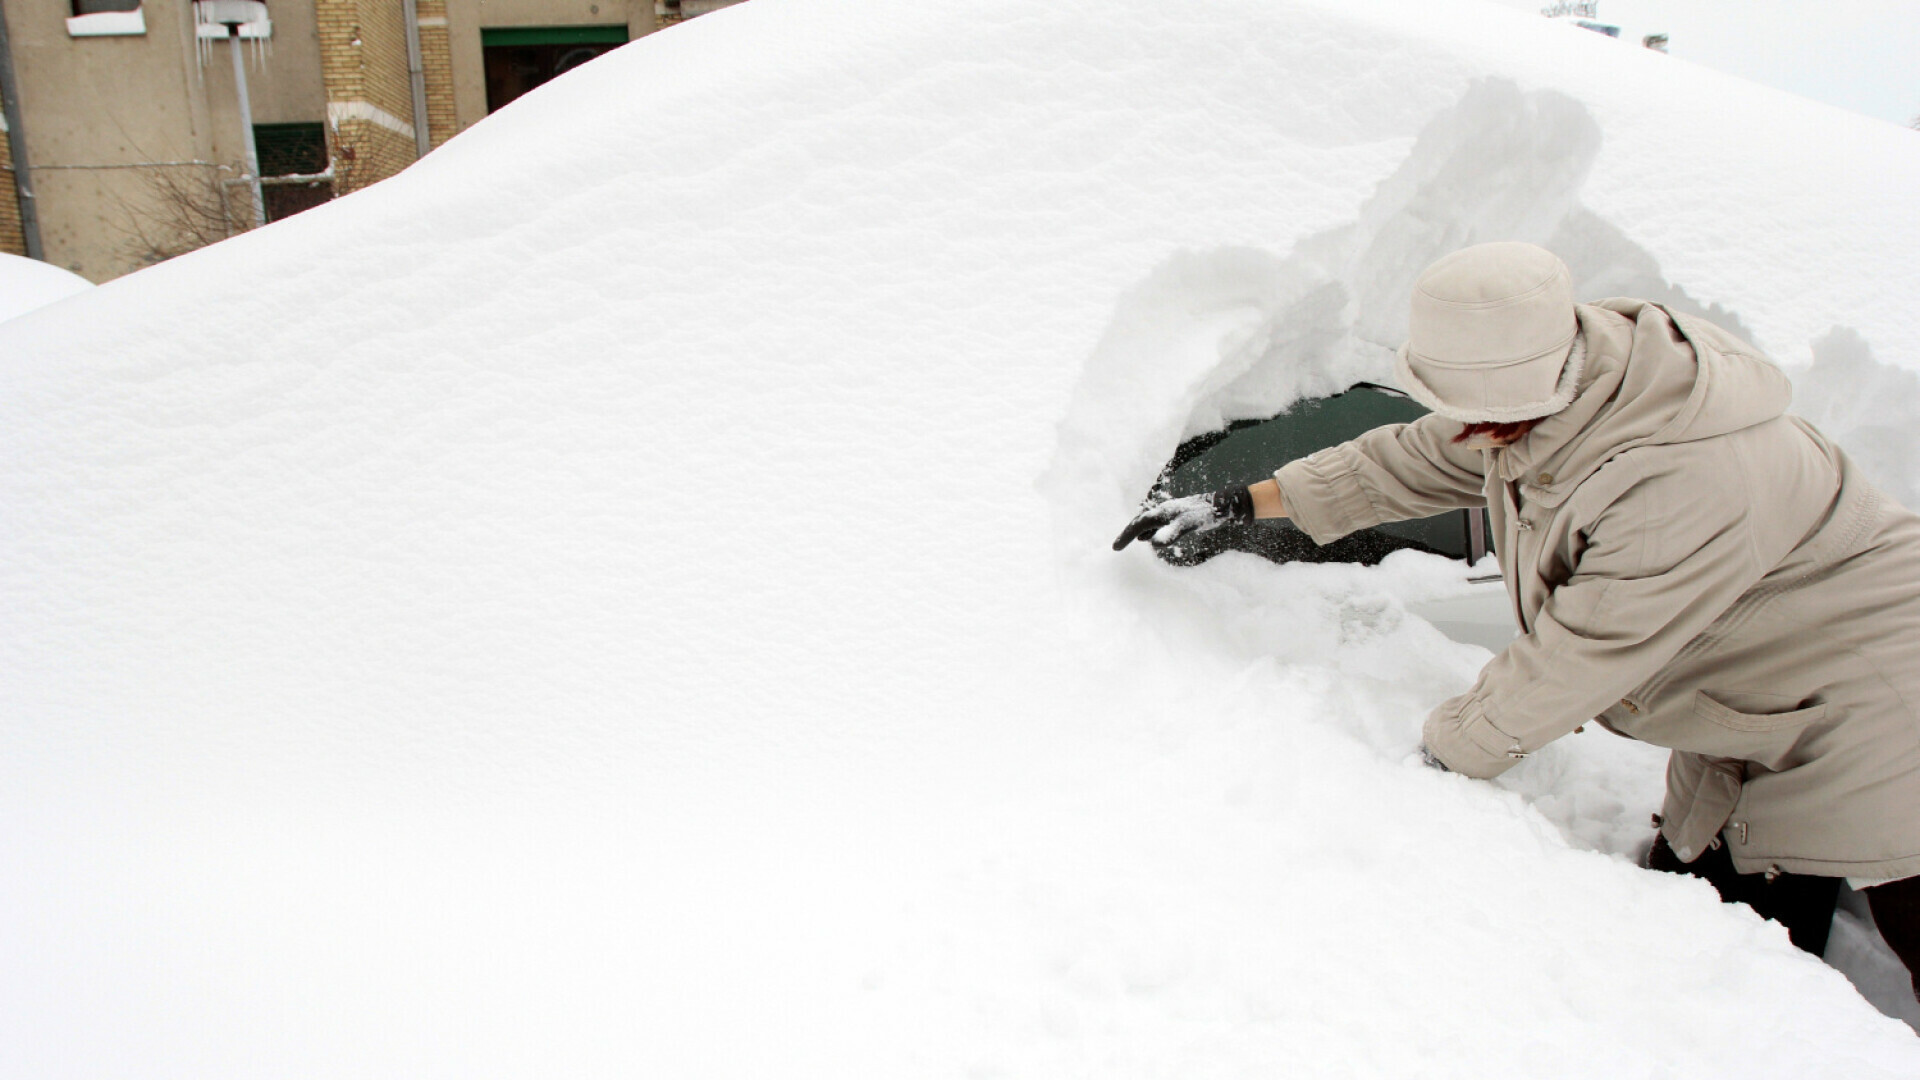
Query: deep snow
27,284
631,595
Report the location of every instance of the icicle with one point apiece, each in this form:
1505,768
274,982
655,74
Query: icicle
260,38
202,48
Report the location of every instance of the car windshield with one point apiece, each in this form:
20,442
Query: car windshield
1248,452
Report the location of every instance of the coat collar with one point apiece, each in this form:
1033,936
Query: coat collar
1540,462
1652,377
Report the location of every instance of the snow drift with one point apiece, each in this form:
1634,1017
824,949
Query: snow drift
630,595
26,284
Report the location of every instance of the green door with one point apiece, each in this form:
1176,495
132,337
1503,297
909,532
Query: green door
519,58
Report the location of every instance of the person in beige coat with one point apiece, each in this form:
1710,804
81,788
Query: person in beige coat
1688,564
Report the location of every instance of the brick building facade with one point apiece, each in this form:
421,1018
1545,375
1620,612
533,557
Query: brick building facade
436,57
13,238
365,67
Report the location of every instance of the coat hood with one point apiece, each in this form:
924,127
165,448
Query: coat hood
1651,377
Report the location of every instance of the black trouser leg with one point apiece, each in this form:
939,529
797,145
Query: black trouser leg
1802,903
1896,911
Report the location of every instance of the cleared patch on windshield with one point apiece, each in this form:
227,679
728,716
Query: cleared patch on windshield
1249,451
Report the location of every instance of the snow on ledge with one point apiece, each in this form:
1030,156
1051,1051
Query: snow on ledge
259,30
339,112
108,24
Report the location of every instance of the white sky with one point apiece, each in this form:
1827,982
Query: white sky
1862,55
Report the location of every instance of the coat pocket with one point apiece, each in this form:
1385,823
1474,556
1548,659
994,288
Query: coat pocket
1764,738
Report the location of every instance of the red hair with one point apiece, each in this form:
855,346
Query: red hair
1503,432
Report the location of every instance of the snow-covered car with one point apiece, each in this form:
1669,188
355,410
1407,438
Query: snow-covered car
632,595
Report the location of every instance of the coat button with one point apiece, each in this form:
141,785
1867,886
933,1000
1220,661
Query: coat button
1630,706
1525,525
1544,479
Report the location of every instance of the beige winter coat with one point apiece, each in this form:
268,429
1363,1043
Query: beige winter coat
1693,568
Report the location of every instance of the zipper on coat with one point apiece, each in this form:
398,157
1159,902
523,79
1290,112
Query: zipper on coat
1511,564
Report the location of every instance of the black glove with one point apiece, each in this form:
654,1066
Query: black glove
1163,523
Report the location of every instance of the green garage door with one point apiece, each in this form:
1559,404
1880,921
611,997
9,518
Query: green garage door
519,58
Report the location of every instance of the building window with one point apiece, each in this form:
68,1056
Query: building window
677,10
106,18
519,58
293,167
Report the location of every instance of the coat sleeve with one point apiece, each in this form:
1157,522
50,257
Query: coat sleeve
1660,564
1392,473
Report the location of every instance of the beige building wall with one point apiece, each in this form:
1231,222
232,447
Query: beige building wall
127,133
119,128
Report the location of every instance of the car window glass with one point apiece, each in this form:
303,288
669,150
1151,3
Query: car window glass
1249,451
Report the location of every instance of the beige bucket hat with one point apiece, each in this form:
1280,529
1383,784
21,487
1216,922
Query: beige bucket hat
1492,336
